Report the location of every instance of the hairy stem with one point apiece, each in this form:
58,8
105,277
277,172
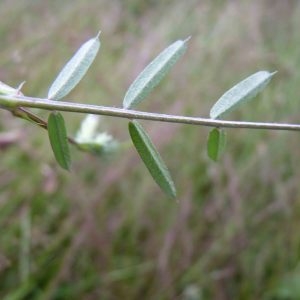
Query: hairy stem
11,102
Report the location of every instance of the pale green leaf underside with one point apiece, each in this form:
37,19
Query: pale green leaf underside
151,158
7,90
153,74
59,140
241,92
216,143
74,70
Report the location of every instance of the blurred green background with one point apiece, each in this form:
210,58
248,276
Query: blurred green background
105,230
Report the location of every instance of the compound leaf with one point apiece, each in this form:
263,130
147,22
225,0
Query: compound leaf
151,158
153,74
75,69
59,140
241,92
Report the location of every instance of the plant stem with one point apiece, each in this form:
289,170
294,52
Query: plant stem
23,113
11,102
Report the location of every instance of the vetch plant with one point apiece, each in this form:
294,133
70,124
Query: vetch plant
90,140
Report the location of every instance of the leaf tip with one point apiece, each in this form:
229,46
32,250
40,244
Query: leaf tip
187,39
173,194
19,88
274,73
66,167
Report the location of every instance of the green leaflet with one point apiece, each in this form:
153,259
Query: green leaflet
151,158
153,74
75,69
216,143
241,92
59,140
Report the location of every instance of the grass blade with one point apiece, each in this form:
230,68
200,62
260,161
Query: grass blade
216,143
75,69
241,92
151,158
59,140
153,74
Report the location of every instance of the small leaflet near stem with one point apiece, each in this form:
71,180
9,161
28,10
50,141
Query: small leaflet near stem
58,139
216,143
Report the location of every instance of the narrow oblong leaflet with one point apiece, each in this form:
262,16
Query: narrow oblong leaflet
241,92
216,143
151,158
58,139
75,69
153,74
